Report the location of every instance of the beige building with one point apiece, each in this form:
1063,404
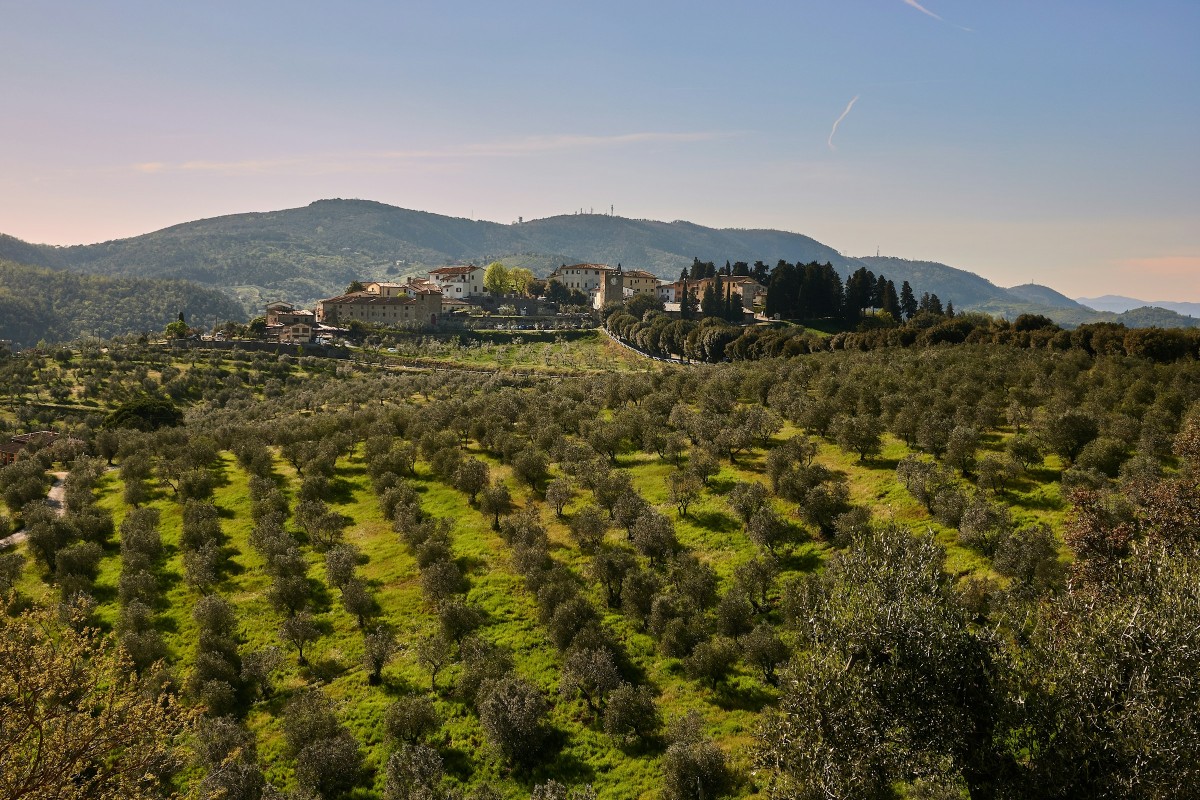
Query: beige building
295,333
639,281
584,277
604,283
388,305
621,284
458,282
286,314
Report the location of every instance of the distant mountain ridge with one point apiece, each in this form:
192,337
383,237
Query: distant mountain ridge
304,254
1118,303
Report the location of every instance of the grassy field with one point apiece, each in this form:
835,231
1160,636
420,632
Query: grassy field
539,351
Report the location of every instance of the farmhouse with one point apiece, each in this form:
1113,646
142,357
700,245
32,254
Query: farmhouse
12,449
458,282
393,305
289,325
584,277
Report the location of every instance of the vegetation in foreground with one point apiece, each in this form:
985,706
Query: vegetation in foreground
931,572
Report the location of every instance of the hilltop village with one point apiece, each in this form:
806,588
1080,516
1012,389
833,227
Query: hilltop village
452,294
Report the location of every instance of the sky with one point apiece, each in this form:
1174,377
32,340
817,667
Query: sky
1053,141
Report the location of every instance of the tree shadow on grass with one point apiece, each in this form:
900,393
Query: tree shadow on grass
457,763
396,685
339,491
716,521
319,595
228,567
991,442
802,560
743,696
324,669
220,477
644,746
719,485
1037,502
880,463
561,766
469,565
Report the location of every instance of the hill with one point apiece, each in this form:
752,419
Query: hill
1119,304
304,254
1044,295
311,252
54,305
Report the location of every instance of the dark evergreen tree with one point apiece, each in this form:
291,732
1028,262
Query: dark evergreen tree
708,300
891,302
689,305
908,301
879,292
783,291
859,288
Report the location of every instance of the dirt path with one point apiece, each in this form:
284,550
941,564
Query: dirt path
54,497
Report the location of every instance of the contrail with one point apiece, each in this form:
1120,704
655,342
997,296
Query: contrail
838,121
927,12
923,9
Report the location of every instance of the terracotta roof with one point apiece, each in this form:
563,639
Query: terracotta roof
35,436
640,273
586,266
454,270
367,299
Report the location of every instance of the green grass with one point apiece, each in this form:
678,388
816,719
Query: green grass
583,753
546,351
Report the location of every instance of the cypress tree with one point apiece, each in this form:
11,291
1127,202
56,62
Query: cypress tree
908,301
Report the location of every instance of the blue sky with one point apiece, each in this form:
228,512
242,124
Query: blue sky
1050,141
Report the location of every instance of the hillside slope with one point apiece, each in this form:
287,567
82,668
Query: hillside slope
305,254
311,252
1044,295
54,305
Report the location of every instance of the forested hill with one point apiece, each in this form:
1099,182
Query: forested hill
56,305
304,254
307,253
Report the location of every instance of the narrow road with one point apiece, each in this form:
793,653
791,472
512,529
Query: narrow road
54,497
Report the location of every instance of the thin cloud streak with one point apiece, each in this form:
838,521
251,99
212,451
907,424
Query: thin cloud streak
370,160
928,13
838,121
922,9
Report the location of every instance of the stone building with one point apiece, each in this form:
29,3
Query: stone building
388,305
